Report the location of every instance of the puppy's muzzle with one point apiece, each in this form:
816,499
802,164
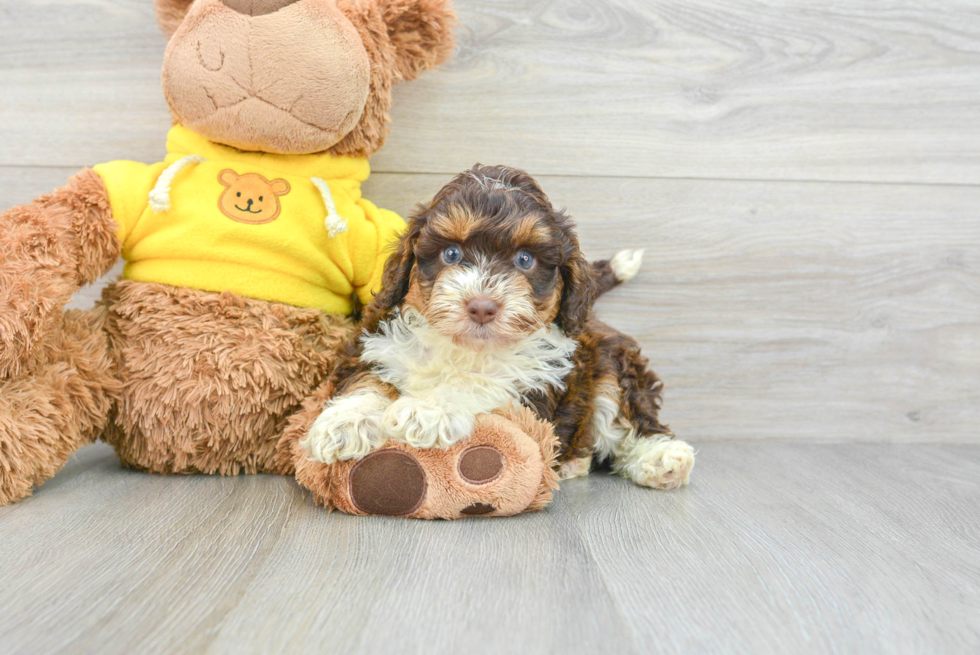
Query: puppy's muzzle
482,310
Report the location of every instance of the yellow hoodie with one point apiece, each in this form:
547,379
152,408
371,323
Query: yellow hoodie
286,228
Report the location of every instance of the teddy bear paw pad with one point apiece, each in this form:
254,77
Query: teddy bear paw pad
477,508
480,465
388,482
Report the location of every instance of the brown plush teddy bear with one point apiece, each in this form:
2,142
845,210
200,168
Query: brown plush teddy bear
245,249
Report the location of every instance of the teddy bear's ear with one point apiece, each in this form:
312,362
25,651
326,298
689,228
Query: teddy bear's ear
170,14
421,32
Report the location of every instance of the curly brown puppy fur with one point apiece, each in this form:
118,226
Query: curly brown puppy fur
488,299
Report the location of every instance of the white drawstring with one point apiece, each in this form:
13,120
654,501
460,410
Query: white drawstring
160,196
335,223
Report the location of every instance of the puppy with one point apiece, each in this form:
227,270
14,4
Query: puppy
488,300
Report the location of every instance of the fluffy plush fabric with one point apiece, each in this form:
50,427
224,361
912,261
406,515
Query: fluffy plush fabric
419,31
228,76
402,39
291,82
170,14
177,380
212,400
48,249
60,406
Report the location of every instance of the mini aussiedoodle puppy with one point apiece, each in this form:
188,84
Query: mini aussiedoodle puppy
488,300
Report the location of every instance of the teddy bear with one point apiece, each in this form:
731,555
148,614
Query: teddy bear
247,249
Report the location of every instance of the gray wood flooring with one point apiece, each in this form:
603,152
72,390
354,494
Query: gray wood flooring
775,548
805,179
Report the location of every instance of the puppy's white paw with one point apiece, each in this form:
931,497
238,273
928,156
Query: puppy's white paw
426,425
658,462
349,427
576,467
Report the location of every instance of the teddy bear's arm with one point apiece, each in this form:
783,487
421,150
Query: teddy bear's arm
48,249
387,227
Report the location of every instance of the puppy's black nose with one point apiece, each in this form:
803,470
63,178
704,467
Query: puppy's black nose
482,310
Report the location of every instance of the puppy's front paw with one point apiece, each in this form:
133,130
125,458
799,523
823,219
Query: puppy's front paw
348,428
661,463
576,467
426,425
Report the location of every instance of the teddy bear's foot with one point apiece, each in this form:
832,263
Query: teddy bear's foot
504,468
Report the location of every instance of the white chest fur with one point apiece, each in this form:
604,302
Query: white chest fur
423,364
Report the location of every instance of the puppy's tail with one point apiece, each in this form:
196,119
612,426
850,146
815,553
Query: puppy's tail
623,267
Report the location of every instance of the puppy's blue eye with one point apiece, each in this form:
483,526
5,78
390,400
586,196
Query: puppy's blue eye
452,255
524,260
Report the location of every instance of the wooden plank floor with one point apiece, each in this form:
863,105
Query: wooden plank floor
775,548
805,180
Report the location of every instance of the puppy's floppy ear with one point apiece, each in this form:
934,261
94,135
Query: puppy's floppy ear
421,32
397,276
580,289
170,14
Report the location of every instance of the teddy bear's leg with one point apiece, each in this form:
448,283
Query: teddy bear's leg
504,468
48,249
209,377
58,407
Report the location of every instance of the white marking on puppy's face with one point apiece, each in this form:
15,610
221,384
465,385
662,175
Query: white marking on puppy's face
508,293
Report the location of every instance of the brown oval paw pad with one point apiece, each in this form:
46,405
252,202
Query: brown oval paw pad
480,465
477,508
388,482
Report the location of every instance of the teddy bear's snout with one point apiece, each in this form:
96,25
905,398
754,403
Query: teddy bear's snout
267,92
257,7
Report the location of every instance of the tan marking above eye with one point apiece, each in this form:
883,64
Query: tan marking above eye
529,232
453,225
